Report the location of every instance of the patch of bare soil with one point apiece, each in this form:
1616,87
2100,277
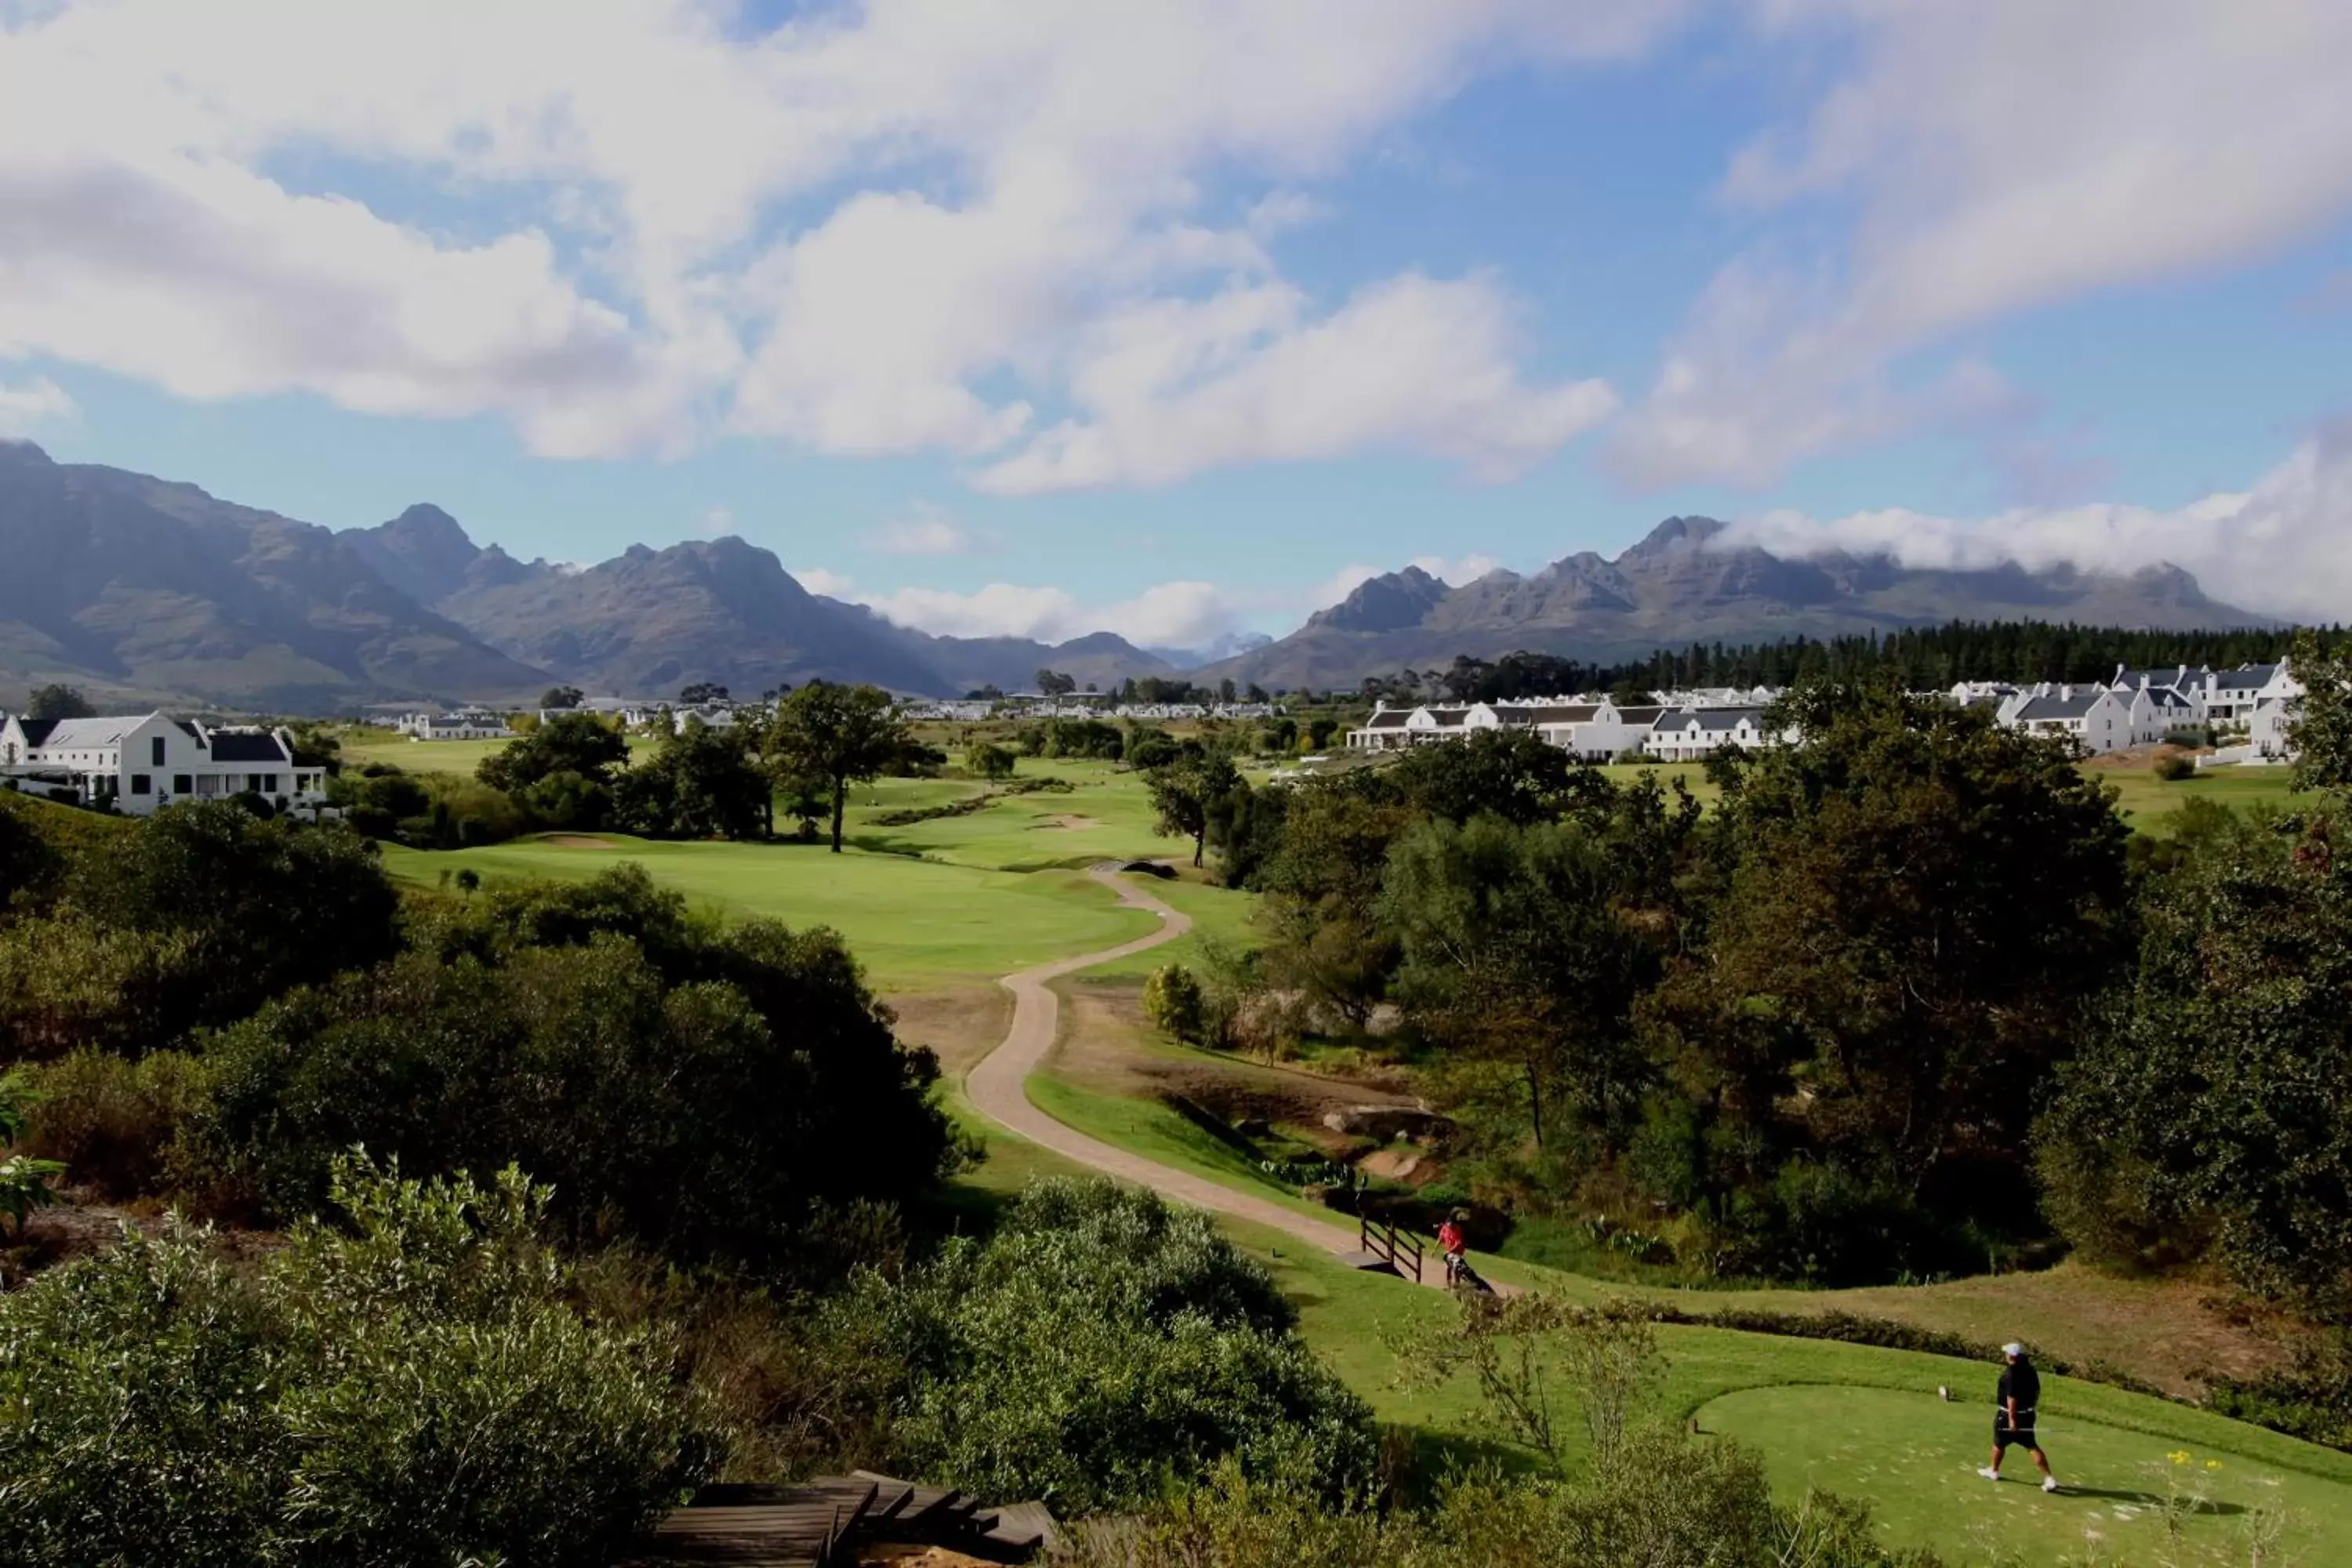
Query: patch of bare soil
960,1025
889,1557
1066,822
577,841
1107,1047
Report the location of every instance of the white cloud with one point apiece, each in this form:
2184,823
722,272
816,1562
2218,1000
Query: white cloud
2000,156
925,529
1174,386
26,406
895,226
2284,546
1457,572
817,580
716,523
1166,615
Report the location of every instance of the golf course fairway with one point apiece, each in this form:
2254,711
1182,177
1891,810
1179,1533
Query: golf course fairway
1914,1458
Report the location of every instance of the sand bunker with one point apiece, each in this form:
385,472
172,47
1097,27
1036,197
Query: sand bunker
577,841
1067,823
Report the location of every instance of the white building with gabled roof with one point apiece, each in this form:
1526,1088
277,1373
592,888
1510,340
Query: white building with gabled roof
139,763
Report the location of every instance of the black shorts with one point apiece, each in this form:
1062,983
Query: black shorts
2005,1435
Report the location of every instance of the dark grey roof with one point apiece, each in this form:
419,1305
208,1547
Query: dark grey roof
2245,677
233,746
1388,719
2057,707
1726,719
1562,713
1449,717
36,730
1639,716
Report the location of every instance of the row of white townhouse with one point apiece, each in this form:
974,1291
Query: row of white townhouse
144,762
2146,707
1597,730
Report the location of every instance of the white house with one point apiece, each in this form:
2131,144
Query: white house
2092,717
2232,695
1691,734
2267,727
143,762
472,724
1593,731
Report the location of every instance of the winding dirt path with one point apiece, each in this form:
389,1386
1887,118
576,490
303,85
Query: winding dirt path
997,1087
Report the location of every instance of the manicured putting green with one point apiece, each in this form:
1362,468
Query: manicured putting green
910,922
1914,1458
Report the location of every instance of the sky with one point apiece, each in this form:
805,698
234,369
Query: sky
1026,317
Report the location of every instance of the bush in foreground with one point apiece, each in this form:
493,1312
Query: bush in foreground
1672,1503
697,1087
1100,1347
413,1388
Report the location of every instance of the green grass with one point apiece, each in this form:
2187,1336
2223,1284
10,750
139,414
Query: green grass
364,746
2146,800
1020,832
911,923
1915,1458
1151,1130
1221,915
1867,1423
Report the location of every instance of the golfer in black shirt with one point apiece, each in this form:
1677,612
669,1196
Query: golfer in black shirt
2013,1416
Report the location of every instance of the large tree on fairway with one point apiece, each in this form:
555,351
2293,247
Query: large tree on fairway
1518,956
841,733
1187,790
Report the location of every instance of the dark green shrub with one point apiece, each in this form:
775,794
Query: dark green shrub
408,1387
1099,1346
115,1122
2175,767
68,980
698,1089
265,906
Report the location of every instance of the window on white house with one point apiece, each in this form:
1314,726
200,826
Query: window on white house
156,742
141,785
182,784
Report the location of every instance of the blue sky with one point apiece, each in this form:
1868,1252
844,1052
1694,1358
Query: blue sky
1177,319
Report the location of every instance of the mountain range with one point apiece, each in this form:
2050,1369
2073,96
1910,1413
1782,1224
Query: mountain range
1684,584
144,590
140,589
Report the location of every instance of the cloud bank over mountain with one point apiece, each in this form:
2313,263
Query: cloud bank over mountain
2283,546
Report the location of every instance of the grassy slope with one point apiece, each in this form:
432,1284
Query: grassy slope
911,923
1863,1421
2146,800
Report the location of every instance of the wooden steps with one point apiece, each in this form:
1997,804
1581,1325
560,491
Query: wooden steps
822,1523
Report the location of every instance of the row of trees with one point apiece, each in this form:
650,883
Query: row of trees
576,772
1908,993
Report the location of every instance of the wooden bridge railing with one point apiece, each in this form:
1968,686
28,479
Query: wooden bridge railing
1385,1241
